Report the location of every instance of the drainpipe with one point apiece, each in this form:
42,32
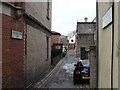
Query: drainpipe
112,46
97,45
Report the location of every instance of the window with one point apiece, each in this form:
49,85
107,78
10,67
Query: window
47,39
48,10
72,40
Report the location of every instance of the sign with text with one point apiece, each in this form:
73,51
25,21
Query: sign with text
107,18
16,34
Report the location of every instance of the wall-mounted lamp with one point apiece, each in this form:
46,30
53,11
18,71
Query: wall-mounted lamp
19,13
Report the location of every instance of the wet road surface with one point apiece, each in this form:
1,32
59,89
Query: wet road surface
62,76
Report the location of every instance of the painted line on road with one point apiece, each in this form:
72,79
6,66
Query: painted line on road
45,79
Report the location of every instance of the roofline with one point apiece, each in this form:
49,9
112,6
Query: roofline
85,33
93,19
57,43
38,23
86,22
29,16
55,33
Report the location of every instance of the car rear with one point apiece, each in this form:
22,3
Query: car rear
85,73
82,71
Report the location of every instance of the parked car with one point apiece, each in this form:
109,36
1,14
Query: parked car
82,71
64,51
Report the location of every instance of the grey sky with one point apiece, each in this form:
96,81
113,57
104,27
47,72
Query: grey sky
66,13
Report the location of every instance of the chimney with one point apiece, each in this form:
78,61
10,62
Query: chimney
86,19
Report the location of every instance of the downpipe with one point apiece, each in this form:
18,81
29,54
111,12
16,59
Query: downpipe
97,45
112,56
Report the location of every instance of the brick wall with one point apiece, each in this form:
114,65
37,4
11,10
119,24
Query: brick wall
55,39
12,52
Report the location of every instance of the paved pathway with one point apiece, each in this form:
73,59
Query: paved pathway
62,75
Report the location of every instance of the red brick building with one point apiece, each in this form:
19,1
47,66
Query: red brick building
55,38
56,50
25,37
12,49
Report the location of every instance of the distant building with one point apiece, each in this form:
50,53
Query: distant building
55,38
84,35
64,40
71,46
56,48
72,42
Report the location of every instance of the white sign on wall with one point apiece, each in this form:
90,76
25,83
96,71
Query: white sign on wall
107,18
16,34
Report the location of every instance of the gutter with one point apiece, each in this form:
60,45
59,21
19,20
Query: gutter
13,6
30,17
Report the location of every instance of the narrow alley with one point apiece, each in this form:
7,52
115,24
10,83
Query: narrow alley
59,44
62,75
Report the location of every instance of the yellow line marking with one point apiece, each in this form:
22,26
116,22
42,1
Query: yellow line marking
45,79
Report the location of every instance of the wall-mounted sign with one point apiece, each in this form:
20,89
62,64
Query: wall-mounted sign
107,18
16,34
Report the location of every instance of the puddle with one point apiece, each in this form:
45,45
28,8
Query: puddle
69,68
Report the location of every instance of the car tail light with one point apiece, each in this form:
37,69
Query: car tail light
77,72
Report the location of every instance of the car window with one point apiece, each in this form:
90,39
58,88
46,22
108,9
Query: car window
85,63
79,64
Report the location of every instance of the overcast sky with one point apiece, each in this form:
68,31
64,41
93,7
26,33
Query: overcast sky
66,13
